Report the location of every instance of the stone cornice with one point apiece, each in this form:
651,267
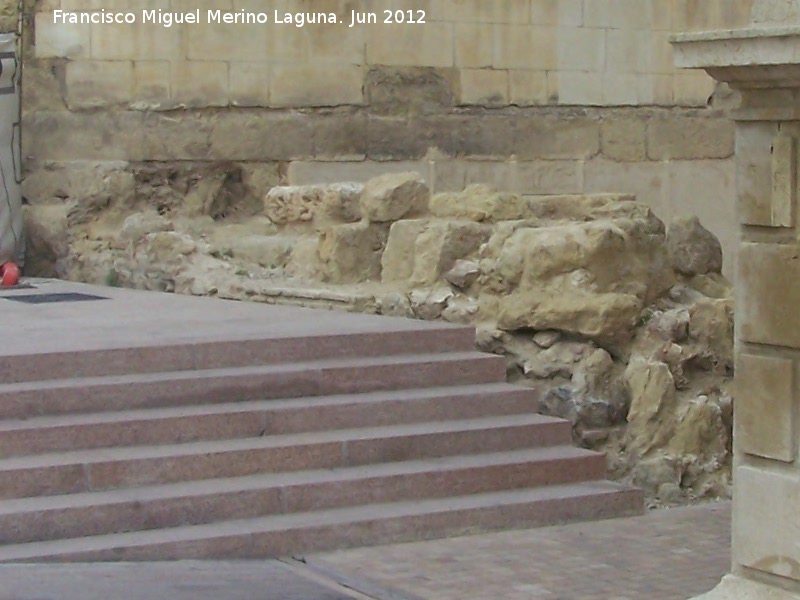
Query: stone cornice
759,57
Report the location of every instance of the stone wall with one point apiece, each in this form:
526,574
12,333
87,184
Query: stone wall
539,96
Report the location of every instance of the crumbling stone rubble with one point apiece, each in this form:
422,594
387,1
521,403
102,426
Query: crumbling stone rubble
622,327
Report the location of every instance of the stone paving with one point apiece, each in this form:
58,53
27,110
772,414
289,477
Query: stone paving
670,554
665,555
186,580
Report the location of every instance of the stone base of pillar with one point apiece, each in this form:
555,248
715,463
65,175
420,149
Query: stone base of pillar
734,587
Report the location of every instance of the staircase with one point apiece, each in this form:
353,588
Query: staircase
271,447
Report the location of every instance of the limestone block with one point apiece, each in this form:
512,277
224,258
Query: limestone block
428,46
544,12
398,259
441,244
652,389
345,46
690,138
693,249
625,256
62,40
340,204
627,15
784,181
580,87
457,174
754,172
163,137
624,140
338,135
528,88
711,326
352,253
474,45
691,15
621,89
555,139
570,13
303,172
479,203
317,84
582,49
200,83
549,177
692,88
525,47
603,317
212,41
139,41
779,12
484,87
246,135
765,407
421,251
249,83
767,308
662,57
292,204
765,523
151,84
43,88
391,197
663,90
93,84
288,45
63,135
407,90
465,273
324,204
585,207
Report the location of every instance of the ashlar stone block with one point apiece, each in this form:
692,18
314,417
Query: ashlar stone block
761,543
754,172
765,407
767,308
420,251
316,85
784,181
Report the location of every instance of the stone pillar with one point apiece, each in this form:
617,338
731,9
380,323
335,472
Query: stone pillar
763,62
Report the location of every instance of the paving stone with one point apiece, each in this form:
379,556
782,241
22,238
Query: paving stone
665,555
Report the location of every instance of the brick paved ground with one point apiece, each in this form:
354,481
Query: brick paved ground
665,555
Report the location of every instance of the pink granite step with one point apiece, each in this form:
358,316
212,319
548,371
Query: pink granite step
219,354
182,424
321,377
151,426
111,468
298,533
198,502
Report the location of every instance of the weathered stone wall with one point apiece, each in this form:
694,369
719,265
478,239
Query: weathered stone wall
539,96
9,15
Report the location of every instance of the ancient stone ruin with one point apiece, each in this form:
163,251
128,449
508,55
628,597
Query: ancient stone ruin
623,326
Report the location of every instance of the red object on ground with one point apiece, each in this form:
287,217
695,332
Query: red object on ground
9,274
